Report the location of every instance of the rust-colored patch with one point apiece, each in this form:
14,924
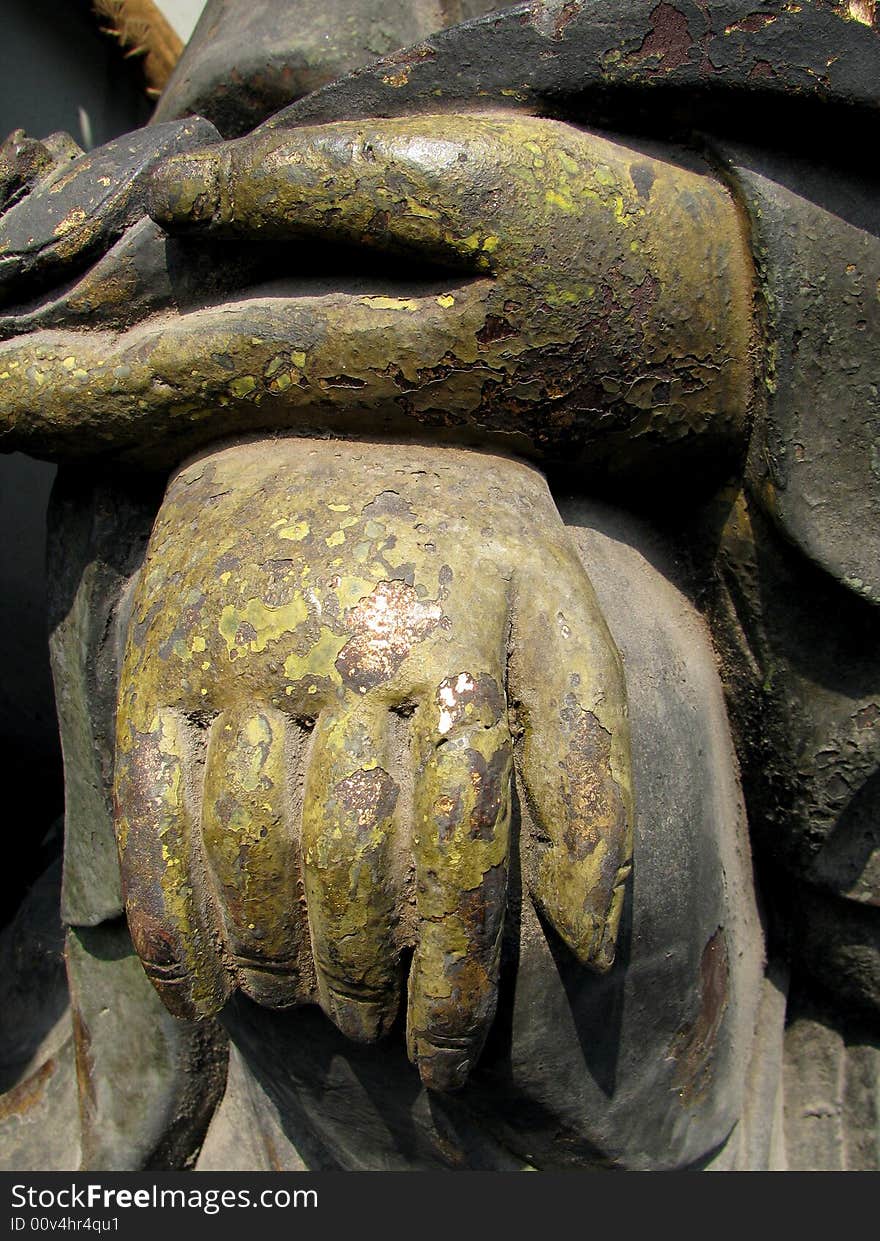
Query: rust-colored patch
482,909
494,328
405,60
752,23
466,699
594,805
868,716
154,945
368,796
565,16
669,40
644,296
386,624
85,1065
275,1163
488,781
693,1046
28,1094
447,815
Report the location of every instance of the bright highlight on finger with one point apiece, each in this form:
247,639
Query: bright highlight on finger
461,841
171,926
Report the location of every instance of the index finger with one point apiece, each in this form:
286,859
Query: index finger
411,184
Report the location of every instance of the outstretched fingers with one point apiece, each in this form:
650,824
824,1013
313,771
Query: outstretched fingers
461,846
568,687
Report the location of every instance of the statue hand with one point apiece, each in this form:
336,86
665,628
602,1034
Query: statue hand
337,654
582,295
507,274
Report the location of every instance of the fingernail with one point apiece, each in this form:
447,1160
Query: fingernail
440,1068
177,996
185,189
270,989
363,1021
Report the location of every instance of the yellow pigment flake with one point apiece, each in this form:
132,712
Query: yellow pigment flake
268,623
420,210
446,300
334,539
339,508
319,660
76,217
392,303
570,165
198,644
556,200
295,533
257,731
298,358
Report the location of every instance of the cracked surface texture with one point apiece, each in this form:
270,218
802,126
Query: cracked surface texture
330,666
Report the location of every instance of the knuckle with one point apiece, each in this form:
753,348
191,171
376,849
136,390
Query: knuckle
465,701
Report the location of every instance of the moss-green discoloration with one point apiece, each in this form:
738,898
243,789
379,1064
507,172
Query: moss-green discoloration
461,845
592,257
576,761
172,929
249,846
241,637
351,886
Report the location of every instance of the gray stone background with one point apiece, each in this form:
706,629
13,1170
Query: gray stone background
56,72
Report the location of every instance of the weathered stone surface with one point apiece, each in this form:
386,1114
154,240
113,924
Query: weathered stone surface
33,992
360,598
39,1117
94,1075
815,453
245,1131
831,1095
644,1067
562,310
530,285
80,207
148,1085
802,671
243,63
639,67
98,529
